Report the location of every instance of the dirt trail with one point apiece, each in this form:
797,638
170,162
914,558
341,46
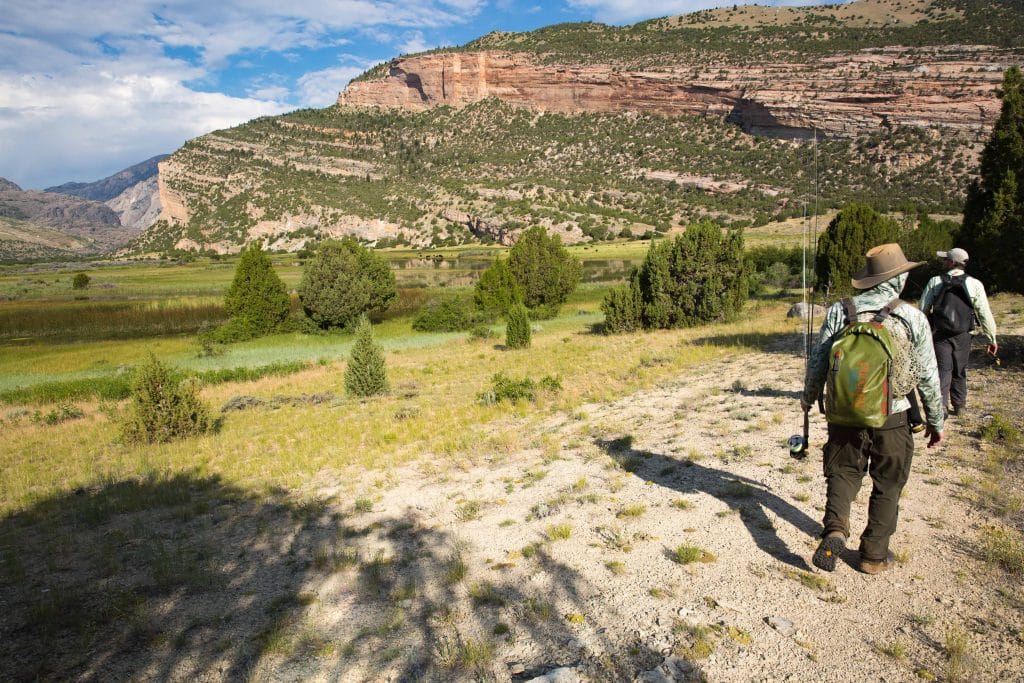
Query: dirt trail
698,462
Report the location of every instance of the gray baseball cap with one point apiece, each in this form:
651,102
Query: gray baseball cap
956,255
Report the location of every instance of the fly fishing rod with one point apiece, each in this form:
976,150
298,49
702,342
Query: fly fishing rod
798,443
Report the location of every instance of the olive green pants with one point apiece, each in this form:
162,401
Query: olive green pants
886,454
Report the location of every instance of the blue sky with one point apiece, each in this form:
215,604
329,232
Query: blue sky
88,87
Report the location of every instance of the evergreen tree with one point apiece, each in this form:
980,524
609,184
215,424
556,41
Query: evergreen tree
344,281
993,226
517,331
699,277
841,249
257,300
547,273
366,374
163,407
497,289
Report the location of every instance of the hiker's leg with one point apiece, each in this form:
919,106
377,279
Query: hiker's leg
944,359
892,451
844,466
961,349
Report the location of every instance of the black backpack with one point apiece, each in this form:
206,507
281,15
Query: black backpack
952,311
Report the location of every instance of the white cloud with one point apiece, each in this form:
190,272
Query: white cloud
89,86
321,88
414,41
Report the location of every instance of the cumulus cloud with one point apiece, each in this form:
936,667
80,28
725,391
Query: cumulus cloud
88,86
321,88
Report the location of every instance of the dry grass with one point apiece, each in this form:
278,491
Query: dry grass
291,446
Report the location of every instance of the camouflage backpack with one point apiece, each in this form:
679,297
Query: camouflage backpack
860,370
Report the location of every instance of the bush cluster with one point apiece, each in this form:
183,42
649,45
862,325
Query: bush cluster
505,388
449,314
699,277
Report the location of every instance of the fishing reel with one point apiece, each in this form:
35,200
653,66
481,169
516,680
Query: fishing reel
798,446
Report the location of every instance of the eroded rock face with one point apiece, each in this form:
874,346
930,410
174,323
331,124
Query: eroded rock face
849,94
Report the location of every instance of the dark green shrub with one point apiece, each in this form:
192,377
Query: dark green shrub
517,331
482,332
920,244
449,314
622,307
257,300
547,273
699,277
848,237
80,281
163,407
366,374
497,289
344,281
504,388
993,226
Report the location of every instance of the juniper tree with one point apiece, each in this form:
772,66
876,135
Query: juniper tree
366,373
344,281
547,273
257,300
848,237
993,225
497,289
517,331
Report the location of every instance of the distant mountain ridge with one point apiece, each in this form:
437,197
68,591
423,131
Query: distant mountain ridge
594,131
110,187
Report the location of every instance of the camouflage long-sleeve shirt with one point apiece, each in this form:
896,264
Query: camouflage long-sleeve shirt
921,345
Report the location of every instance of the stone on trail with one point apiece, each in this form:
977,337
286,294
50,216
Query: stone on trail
785,627
672,670
563,674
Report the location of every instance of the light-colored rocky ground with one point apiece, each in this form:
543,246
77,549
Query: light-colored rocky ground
716,440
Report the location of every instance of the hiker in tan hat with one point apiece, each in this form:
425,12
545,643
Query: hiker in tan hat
954,303
872,351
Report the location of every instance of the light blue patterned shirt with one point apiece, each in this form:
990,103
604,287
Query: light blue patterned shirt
875,299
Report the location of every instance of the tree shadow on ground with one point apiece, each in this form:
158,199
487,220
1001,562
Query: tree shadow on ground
782,343
186,577
749,498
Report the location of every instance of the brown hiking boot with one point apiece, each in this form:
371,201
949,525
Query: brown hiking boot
828,551
877,566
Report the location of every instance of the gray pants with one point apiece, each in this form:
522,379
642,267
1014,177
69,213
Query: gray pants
951,355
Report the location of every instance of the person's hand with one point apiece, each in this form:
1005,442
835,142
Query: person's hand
935,437
992,349
805,406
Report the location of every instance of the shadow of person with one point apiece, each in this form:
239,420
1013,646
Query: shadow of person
750,499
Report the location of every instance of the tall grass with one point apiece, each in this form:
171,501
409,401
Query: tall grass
67,321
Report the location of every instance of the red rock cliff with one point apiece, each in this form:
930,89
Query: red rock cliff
948,87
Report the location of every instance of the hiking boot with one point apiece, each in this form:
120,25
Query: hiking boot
827,554
877,566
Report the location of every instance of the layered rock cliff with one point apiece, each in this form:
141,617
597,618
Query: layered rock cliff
947,87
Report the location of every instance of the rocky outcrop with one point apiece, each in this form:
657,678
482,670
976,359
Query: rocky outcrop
951,87
138,206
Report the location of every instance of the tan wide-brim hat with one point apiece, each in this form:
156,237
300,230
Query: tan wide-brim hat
883,262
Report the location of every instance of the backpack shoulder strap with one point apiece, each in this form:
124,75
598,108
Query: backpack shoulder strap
849,311
887,310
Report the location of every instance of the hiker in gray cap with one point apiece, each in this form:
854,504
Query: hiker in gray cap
955,303
873,350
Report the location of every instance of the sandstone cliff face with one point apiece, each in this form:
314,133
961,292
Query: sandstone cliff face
952,87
